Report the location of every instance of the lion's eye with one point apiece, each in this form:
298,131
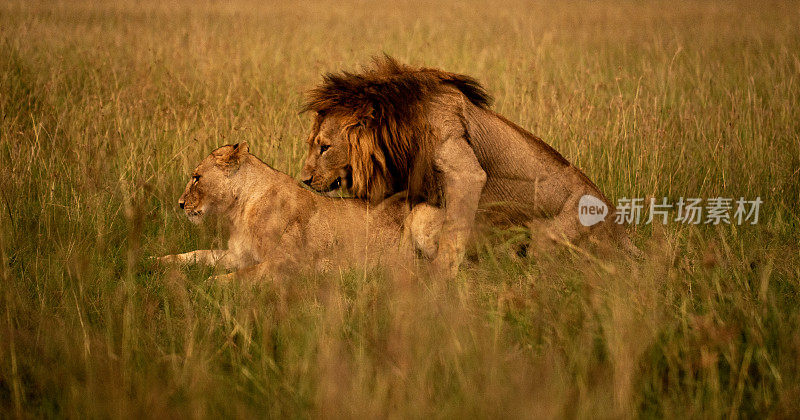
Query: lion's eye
323,148
195,178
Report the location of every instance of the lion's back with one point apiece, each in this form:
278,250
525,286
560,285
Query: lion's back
526,178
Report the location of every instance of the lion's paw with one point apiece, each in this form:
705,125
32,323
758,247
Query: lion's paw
445,266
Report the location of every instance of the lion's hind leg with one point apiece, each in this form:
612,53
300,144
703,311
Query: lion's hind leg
567,230
552,235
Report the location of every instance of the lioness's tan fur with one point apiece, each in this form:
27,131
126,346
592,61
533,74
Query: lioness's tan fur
276,225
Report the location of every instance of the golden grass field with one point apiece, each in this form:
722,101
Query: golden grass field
106,107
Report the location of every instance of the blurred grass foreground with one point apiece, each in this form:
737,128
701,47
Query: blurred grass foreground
106,107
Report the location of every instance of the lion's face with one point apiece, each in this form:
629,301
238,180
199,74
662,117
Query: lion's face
327,166
211,187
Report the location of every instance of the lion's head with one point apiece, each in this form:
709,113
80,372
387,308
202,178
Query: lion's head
328,165
370,136
211,187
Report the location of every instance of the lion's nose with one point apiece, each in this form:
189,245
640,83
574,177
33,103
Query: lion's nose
308,181
181,203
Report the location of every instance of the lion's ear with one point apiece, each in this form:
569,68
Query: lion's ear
364,119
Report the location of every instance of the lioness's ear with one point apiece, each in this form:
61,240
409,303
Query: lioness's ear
242,149
231,157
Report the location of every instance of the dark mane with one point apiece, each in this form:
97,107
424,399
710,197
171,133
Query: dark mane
389,87
384,107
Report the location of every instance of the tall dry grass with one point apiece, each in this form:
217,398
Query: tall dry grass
107,106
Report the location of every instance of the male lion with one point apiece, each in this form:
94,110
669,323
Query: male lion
276,225
431,133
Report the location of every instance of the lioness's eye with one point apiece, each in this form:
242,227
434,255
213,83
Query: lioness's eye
323,148
196,178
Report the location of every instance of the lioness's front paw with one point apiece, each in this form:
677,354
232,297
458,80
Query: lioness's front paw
167,259
223,278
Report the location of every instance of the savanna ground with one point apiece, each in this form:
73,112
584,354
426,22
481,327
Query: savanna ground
106,108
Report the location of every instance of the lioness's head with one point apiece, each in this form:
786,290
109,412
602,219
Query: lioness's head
211,187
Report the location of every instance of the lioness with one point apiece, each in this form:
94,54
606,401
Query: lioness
429,132
275,224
